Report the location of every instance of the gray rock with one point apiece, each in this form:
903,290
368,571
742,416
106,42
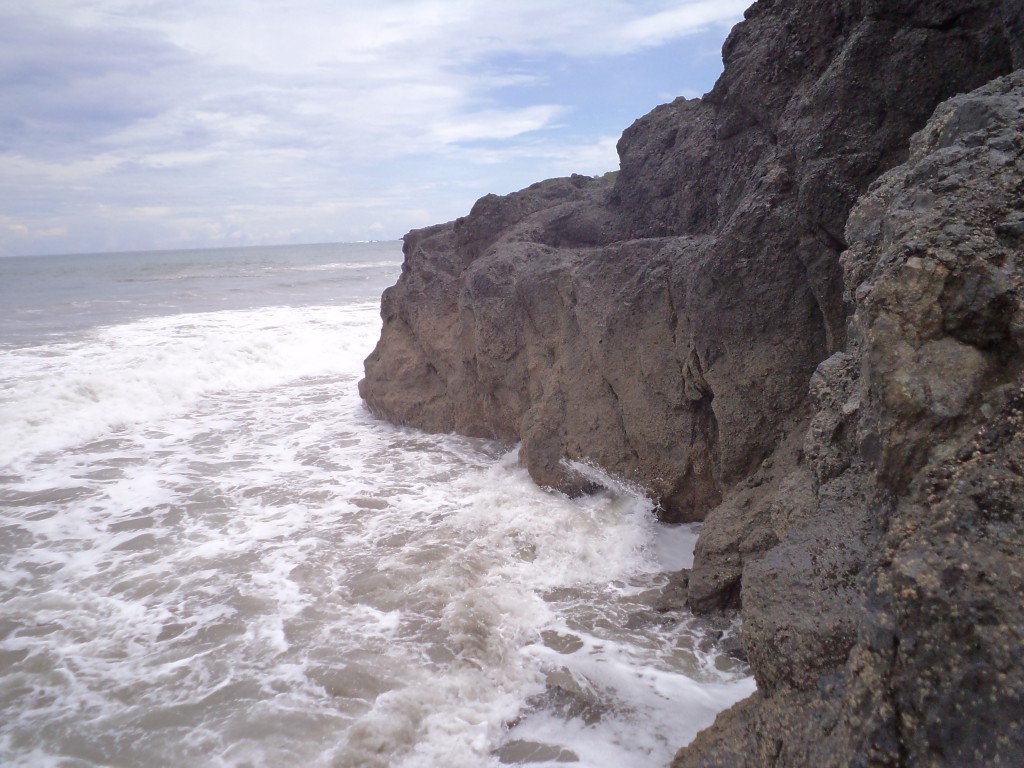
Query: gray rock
665,327
893,610
833,388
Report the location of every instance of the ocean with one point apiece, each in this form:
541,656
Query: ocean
211,554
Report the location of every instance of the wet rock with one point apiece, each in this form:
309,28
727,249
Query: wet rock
562,643
732,645
520,752
570,698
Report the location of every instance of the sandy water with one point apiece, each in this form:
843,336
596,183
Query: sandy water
212,555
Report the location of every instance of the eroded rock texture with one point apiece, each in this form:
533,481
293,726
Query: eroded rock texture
837,395
886,626
665,327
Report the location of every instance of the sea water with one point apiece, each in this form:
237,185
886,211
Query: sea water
211,554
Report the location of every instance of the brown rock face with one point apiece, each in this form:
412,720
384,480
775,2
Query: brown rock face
891,613
665,327
838,395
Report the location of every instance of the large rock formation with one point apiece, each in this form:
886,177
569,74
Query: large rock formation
886,626
666,327
687,325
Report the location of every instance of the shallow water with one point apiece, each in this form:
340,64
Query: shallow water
211,554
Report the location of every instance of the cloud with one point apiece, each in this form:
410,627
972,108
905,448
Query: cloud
496,124
64,85
142,123
684,19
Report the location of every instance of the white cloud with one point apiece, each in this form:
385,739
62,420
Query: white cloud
256,119
22,231
678,21
496,124
271,36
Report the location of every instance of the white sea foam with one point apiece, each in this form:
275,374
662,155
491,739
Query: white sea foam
58,395
212,555
334,266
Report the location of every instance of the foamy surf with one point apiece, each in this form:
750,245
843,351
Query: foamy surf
213,555
56,395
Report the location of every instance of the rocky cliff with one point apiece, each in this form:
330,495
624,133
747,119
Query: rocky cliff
885,627
837,394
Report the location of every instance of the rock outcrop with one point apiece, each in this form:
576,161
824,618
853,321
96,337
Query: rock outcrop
885,628
838,395
665,327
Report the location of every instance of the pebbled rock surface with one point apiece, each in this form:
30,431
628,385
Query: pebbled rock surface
715,324
885,627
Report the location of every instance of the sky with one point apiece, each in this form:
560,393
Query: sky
155,124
